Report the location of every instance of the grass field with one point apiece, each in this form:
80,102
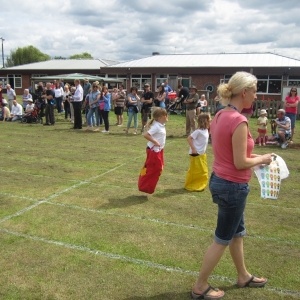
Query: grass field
73,224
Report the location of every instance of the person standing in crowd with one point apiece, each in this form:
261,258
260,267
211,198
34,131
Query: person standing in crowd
11,96
146,100
105,107
77,103
233,159
4,111
16,111
49,112
86,87
291,105
59,92
26,96
191,104
167,89
183,93
119,101
93,107
161,97
66,101
132,109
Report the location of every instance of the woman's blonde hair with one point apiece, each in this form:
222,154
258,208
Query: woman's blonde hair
204,120
157,112
238,82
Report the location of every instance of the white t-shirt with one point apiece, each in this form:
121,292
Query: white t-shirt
158,132
59,92
200,140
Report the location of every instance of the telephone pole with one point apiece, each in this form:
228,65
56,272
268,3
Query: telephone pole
2,52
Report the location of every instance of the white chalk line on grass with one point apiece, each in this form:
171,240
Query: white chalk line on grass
137,261
141,218
58,194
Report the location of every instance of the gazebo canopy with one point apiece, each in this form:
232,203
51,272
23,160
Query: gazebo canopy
73,76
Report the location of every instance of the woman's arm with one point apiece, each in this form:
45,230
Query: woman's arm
131,101
161,97
239,146
106,97
205,103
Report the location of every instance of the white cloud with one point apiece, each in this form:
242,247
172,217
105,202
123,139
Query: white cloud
122,30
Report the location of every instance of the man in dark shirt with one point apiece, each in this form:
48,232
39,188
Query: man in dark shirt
49,112
147,100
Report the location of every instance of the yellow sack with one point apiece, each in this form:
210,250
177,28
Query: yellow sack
197,176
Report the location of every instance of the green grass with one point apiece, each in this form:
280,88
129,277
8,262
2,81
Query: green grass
73,224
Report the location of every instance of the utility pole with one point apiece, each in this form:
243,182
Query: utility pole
2,52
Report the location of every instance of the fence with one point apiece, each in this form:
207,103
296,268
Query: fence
271,106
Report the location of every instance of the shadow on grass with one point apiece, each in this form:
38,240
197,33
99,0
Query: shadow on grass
177,296
164,296
124,202
171,192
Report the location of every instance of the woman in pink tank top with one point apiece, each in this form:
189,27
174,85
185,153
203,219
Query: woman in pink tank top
233,159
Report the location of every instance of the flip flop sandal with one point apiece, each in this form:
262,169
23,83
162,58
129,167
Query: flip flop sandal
205,296
252,283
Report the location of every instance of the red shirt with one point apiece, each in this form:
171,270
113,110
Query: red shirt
222,129
291,110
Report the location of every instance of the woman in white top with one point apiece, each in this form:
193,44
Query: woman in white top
202,105
59,92
66,101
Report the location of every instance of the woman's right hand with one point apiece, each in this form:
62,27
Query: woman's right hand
266,159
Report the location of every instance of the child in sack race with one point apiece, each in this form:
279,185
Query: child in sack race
197,176
156,136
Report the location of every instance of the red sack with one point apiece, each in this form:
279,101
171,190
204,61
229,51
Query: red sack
151,171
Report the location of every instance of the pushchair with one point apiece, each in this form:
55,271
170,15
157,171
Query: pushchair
34,116
175,107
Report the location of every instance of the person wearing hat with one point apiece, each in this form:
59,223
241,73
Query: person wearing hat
190,111
4,111
262,123
25,98
147,100
29,106
86,88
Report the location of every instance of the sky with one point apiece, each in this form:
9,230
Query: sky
130,29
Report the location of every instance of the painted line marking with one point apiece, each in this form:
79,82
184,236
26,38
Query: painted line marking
138,261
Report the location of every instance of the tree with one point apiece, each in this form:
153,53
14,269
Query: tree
25,55
82,55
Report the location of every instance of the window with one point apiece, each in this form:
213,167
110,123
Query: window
226,79
112,85
294,80
269,84
15,81
186,82
160,79
139,80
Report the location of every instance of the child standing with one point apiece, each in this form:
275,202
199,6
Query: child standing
156,136
262,123
197,176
